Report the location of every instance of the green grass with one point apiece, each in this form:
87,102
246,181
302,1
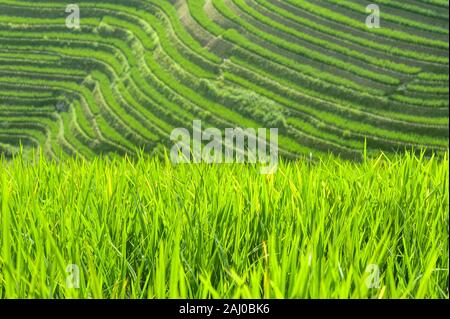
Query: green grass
141,227
148,229
149,61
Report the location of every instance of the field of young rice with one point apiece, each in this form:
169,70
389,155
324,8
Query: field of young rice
354,94
102,77
148,229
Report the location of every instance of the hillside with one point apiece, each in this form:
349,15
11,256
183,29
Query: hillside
135,70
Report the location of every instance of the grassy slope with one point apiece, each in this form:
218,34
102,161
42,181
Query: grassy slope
137,69
150,229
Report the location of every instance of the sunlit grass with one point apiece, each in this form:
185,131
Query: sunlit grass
149,229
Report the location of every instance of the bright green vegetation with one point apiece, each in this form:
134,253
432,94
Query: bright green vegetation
148,229
137,69
368,107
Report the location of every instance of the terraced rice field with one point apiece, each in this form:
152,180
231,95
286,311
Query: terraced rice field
142,227
136,70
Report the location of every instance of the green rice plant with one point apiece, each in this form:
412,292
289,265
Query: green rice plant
45,125
395,19
360,102
439,3
111,102
333,47
183,34
433,77
134,71
428,102
125,115
145,228
254,50
82,119
414,9
351,37
389,33
246,47
428,89
22,136
303,51
360,129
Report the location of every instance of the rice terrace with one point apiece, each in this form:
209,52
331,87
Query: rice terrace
347,100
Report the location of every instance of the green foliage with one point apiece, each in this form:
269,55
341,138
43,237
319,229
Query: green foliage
147,229
137,69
